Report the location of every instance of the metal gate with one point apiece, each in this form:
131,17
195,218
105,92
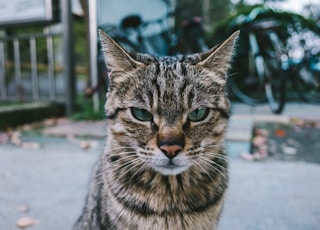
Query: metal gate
28,73
34,68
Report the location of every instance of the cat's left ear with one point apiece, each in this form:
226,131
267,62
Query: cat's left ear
218,58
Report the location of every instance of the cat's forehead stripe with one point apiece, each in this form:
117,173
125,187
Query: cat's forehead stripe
176,64
169,62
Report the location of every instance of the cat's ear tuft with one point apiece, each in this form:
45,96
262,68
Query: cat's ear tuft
118,60
219,57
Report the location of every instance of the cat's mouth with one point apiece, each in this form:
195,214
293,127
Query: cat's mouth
171,166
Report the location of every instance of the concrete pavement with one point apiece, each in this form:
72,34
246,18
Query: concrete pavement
51,181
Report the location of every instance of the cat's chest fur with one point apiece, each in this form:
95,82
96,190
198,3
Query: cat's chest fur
168,202
164,165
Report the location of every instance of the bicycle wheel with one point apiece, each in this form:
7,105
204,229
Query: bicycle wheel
306,82
275,87
275,78
247,83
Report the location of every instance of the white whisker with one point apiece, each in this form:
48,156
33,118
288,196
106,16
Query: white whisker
216,155
121,153
124,169
213,145
130,148
204,170
222,171
139,170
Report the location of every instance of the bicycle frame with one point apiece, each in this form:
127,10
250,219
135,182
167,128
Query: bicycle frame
257,57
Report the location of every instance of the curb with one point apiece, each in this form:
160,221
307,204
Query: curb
14,115
240,126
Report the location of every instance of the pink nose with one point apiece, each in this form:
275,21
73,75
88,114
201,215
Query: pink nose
171,150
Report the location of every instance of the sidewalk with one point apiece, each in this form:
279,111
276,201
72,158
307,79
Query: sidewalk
48,184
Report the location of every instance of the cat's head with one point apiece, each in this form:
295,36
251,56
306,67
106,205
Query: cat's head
167,114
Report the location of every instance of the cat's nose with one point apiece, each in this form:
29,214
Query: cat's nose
171,150
171,141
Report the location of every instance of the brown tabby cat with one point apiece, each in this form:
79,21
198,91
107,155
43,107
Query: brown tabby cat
164,164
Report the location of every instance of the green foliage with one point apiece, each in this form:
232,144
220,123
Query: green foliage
80,39
85,111
231,23
288,26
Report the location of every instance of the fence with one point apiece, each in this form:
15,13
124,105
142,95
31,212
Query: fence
28,73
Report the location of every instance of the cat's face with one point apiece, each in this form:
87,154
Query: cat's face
167,114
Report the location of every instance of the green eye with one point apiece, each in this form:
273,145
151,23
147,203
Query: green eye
198,114
141,114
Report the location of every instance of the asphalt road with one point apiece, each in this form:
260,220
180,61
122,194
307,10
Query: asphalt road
51,182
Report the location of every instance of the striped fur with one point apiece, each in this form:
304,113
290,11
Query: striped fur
135,185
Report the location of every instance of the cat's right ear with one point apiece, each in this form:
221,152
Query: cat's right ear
218,58
118,61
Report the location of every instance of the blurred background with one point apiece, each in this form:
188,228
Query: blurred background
50,50
52,71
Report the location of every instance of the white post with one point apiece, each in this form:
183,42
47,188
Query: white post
68,56
93,39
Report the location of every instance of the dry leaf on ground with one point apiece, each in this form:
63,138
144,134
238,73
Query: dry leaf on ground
84,144
30,145
23,208
4,138
26,222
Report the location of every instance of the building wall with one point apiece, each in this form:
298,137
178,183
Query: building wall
112,11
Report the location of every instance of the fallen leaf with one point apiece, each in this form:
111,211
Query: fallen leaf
16,138
30,145
259,140
25,222
84,144
26,127
298,122
288,149
94,144
247,156
23,208
280,133
261,132
4,138
8,174
63,121
50,122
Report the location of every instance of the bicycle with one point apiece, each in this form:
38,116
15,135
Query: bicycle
269,62
134,35
304,65
262,81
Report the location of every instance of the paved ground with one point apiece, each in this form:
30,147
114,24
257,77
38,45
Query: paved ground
51,180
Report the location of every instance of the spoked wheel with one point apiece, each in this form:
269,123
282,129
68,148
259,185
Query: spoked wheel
307,84
248,85
275,87
276,66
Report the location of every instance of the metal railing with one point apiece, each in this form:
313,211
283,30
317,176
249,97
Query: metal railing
26,79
